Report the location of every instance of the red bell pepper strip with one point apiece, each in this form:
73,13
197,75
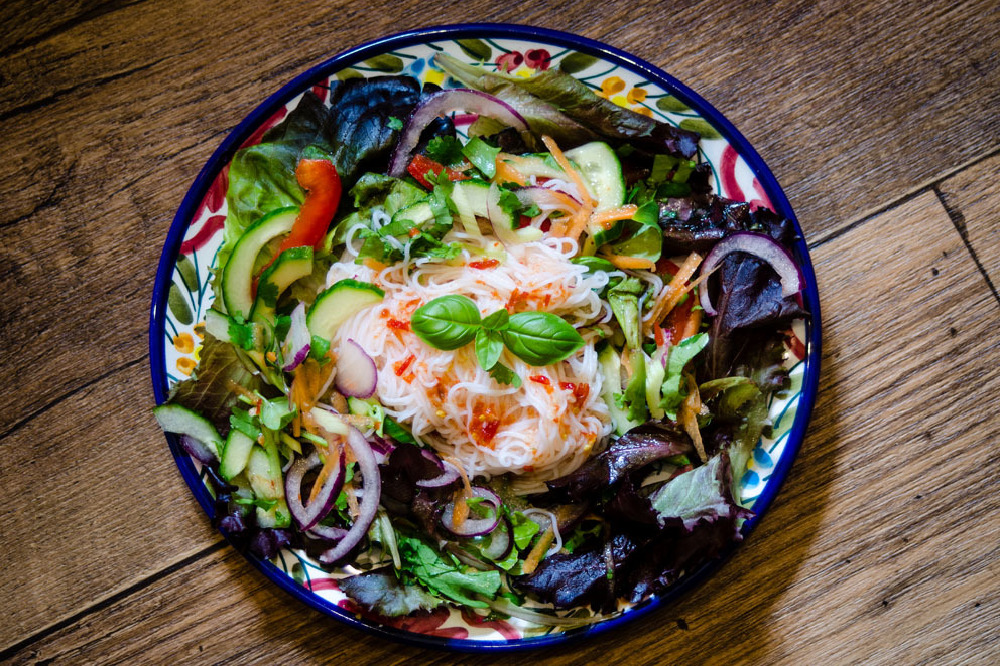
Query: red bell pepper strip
421,164
321,182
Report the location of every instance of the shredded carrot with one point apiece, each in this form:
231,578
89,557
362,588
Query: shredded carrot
672,292
373,264
690,408
536,554
506,173
573,174
461,511
578,222
693,323
607,217
333,446
628,262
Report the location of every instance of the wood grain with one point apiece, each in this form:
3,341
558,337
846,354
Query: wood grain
973,200
96,504
882,547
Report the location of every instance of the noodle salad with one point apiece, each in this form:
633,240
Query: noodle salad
515,368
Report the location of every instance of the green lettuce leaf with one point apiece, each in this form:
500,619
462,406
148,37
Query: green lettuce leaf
208,390
446,577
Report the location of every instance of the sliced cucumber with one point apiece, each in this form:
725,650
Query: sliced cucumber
183,421
235,454
602,171
277,516
264,474
611,384
293,264
338,303
418,213
237,276
541,165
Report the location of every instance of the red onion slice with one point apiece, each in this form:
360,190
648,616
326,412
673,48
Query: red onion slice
760,246
449,473
442,103
298,339
474,526
327,532
357,375
308,516
196,449
369,500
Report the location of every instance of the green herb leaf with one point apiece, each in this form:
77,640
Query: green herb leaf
489,346
393,430
319,348
501,374
524,529
445,150
496,321
482,155
540,338
395,123
448,322
445,577
594,264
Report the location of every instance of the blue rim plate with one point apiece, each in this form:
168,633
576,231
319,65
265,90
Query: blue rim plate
180,297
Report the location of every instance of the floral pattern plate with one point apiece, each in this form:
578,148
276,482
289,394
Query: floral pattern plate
182,292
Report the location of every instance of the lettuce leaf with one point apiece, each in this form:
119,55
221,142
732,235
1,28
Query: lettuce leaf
446,577
381,592
556,103
208,390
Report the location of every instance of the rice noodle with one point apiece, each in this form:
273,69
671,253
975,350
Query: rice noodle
447,399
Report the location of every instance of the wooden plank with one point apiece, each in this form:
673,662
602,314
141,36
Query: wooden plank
94,503
973,199
882,547
26,22
818,96
124,130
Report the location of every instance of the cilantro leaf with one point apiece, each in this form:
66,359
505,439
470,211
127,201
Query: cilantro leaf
504,375
445,150
446,577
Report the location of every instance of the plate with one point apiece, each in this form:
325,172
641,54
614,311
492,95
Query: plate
182,293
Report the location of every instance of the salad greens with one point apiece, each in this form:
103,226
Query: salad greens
303,454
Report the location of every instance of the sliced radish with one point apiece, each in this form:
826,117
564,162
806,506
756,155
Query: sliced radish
298,339
357,375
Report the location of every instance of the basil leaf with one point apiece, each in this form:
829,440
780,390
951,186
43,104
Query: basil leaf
448,322
496,321
540,338
504,375
594,264
488,348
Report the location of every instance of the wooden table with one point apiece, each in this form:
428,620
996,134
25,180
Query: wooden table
880,119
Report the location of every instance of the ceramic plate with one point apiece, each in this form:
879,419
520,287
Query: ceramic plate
182,292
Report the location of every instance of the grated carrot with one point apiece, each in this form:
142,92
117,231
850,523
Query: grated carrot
542,547
578,222
690,408
333,445
605,218
628,263
573,174
506,172
377,266
671,294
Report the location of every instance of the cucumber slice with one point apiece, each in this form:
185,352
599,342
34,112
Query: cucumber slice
338,303
235,454
277,516
264,474
293,264
237,276
602,171
418,213
183,421
611,383
541,165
